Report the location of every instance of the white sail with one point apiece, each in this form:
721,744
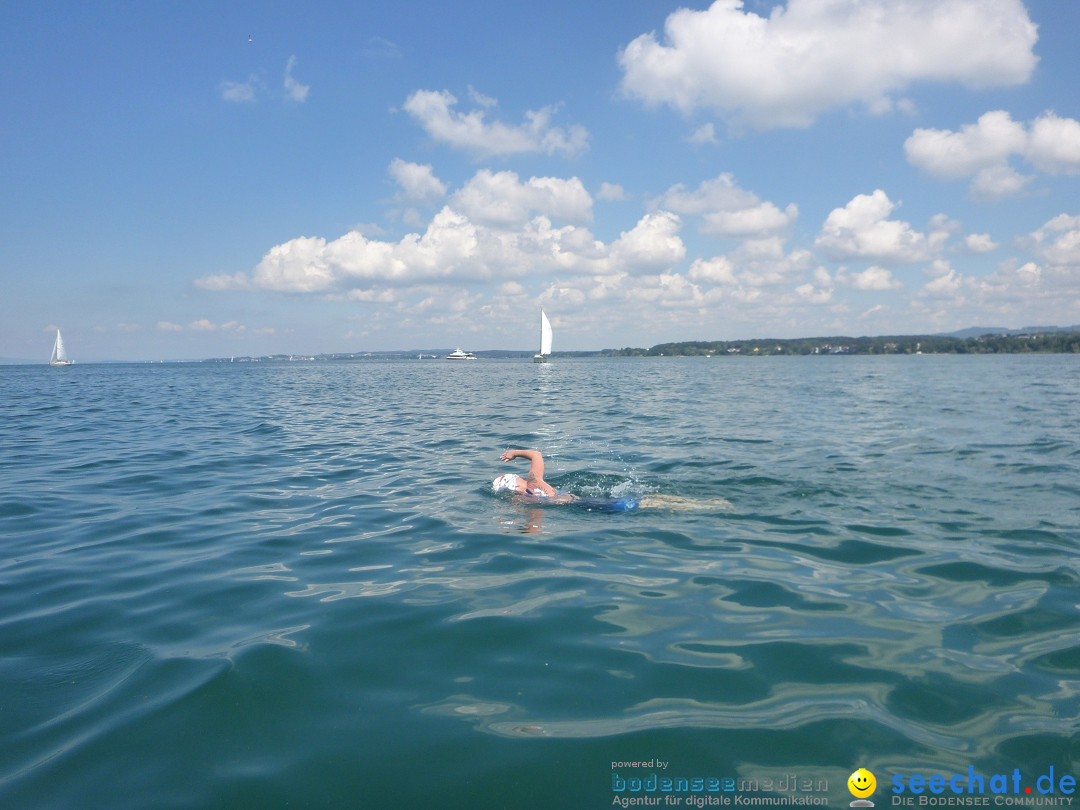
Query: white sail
545,334
59,355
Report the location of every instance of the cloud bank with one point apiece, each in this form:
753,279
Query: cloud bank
500,241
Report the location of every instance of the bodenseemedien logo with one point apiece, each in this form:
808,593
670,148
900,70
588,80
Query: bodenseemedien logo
862,784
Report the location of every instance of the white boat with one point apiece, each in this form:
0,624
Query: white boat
545,339
59,355
458,354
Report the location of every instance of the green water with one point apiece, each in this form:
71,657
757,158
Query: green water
288,585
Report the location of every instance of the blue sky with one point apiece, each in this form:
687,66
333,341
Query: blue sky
188,179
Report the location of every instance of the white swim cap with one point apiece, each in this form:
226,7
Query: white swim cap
508,481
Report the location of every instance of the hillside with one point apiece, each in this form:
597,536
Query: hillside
1057,341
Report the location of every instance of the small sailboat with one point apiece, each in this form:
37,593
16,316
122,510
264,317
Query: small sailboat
545,339
59,355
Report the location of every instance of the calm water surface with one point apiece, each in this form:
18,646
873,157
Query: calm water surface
288,585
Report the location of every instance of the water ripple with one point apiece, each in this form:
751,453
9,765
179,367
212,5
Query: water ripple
274,568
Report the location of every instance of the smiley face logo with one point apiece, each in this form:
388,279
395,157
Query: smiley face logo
861,783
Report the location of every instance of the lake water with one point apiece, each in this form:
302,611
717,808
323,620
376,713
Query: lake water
289,585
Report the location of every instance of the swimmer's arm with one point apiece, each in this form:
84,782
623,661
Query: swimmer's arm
536,460
536,464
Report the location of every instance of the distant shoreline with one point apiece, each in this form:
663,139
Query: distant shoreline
1048,341
1052,342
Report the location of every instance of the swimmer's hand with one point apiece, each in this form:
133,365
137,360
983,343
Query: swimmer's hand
507,456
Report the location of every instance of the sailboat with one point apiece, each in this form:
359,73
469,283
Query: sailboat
59,356
545,339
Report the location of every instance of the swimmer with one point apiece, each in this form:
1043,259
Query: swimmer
533,486
535,489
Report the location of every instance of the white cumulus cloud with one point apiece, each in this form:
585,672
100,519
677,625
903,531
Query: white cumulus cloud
759,219
471,131
496,227
980,243
1058,242
651,246
706,133
944,285
612,192
862,230
987,142
501,199
417,182
1054,144
727,210
983,151
875,278
812,56
717,270
995,182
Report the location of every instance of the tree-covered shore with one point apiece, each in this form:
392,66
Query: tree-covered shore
1052,342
